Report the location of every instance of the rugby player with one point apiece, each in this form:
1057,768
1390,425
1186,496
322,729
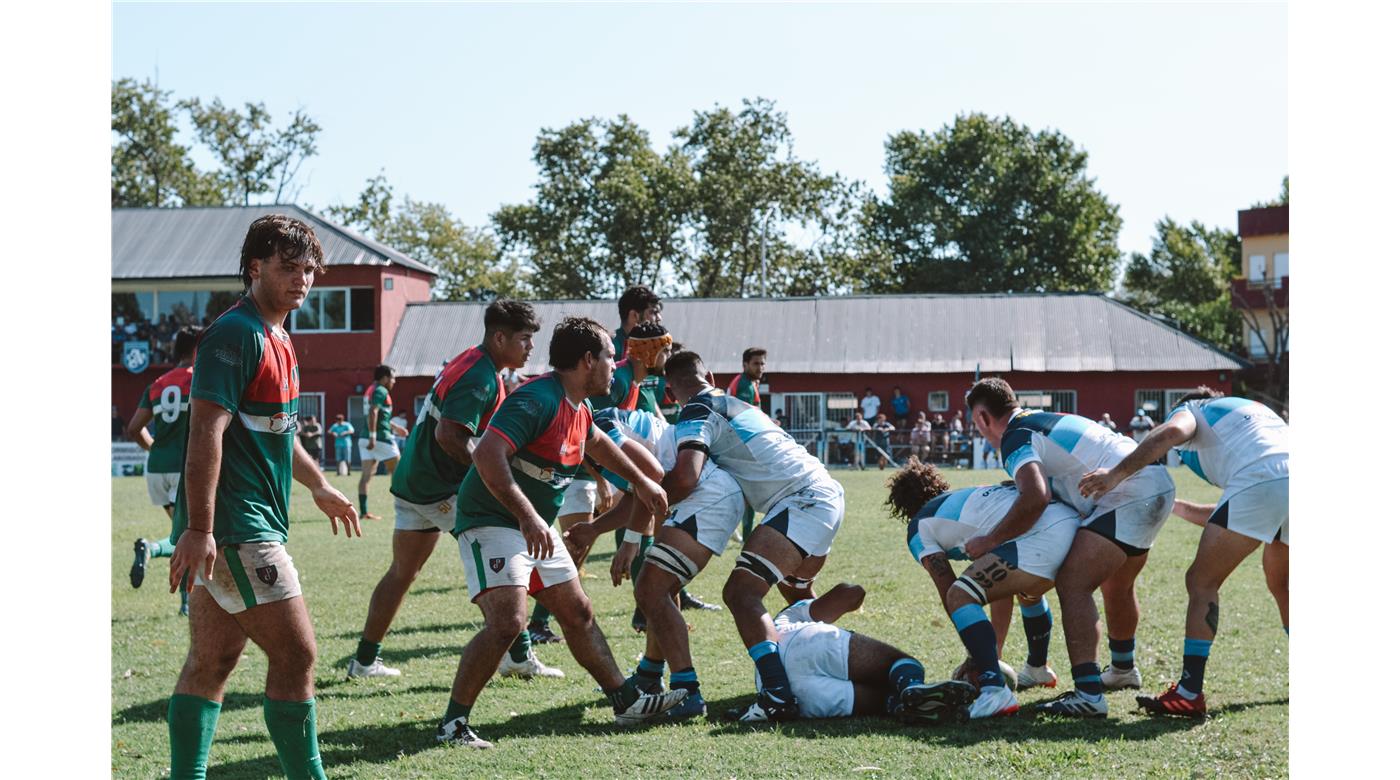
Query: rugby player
435,460
166,401
378,446
532,449
1239,446
941,522
801,503
1046,454
231,511
838,673
745,388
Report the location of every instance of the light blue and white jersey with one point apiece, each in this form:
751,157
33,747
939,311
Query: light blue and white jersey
620,425
1235,438
948,521
1066,446
666,453
796,614
763,458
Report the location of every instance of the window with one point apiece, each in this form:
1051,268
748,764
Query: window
1060,401
336,310
1257,267
154,316
1280,268
1257,350
1158,402
938,401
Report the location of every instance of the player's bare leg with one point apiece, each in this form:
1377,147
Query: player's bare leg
216,644
768,557
668,636
1276,575
367,470
1092,559
503,611
1122,612
411,550
572,608
538,627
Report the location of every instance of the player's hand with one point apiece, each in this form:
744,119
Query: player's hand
622,562
1098,482
539,543
338,508
607,495
194,552
652,497
371,443
978,546
580,537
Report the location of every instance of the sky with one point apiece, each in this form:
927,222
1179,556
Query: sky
1182,108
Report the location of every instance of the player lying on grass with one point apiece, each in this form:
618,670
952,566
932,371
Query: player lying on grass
697,528
166,402
946,525
1046,454
802,507
434,461
837,673
506,506
1241,447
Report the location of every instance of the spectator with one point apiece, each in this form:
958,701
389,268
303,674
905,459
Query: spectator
940,434
900,404
1108,422
118,426
310,434
956,435
870,405
882,428
399,425
781,420
344,434
1140,425
921,437
860,425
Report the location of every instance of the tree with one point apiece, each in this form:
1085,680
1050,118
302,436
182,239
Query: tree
255,157
985,204
149,166
1186,278
1281,200
464,257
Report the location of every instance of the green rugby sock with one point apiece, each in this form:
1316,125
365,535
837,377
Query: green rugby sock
520,648
455,711
364,505
540,615
192,721
161,549
367,652
292,726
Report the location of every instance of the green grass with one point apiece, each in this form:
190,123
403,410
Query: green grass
561,728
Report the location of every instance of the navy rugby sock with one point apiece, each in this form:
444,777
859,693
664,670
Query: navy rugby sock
904,673
1038,621
771,673
1086,679
1193,667
980,639
1121,651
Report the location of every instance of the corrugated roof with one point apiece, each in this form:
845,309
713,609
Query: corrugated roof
199,242
893,334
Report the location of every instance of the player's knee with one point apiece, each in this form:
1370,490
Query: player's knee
1200,582
575,616
292,658
739,595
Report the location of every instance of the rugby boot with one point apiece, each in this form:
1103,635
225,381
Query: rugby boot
1074,704
532,666
459,734
1036,677
1116,679
994,701
1171,702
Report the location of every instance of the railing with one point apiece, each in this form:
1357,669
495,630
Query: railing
857,449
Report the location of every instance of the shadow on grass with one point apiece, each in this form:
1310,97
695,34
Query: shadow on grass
155,711
373,744
392,656
1012,729
465,629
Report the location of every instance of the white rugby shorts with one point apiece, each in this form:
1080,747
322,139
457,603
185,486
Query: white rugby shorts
579,498
1133,513
495,557
383,450
441,516
162,487
1255,503
811,516
246,575
816,658
711,512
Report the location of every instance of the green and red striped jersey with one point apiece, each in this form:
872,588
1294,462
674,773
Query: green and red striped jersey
467,391
377,397
168,398
744,388
250,370
548,434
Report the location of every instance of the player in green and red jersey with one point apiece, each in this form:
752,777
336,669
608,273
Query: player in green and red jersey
378,445
231,512
165,405
435,459
532,450
745,388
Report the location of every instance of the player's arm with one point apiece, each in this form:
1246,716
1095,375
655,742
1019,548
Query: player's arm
941,572
204,452
611,457
492,462
1193,513
1032,497
372,424
136,428
681,480
455,439
1177,430
840,600
329,500
398,430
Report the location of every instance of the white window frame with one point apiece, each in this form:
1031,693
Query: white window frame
1170,398
947,402
1258,350
1258,267
1073,398
320,293
1280,268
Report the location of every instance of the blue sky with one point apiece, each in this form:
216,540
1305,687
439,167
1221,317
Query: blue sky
1182,108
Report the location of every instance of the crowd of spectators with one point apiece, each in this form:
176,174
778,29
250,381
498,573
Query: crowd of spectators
872,437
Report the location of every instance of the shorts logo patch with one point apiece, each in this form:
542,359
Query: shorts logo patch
267,575
497,564
445,507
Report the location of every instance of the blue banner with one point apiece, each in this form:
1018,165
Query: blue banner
136,356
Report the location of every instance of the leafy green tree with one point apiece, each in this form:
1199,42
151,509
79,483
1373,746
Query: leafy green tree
255,157
1186,278
1281,200
149,165
986,204
464,257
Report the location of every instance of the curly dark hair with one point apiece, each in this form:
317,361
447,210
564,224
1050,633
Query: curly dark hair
281,236
913,486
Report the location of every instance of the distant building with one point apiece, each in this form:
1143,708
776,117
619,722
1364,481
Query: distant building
1261,295
172,267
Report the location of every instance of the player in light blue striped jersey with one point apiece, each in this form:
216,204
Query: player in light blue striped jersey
1242,447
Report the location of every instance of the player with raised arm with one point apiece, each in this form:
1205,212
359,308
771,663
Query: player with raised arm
1239,446
435,459
231,512
378,445
166,403
1046,454
506,506
801,503
745,388
941,522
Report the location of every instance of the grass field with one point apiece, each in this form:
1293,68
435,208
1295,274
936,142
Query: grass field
562,728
